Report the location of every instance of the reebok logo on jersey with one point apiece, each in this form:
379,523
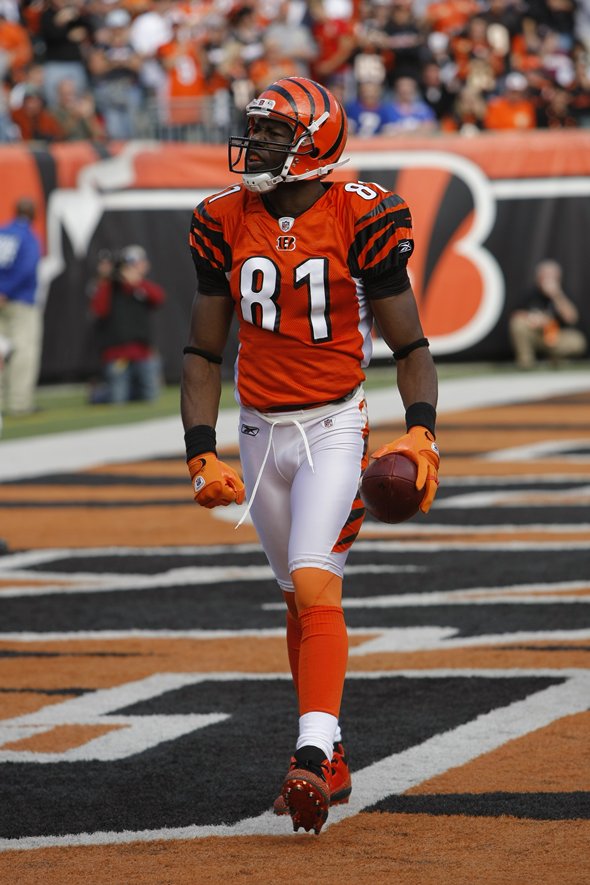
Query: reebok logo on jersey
286,244
249,430
404,246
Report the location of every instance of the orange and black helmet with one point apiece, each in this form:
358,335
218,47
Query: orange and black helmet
319,131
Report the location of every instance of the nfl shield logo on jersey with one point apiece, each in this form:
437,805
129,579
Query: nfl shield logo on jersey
286,223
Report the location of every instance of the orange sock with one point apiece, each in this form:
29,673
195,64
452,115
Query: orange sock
293,646
322,659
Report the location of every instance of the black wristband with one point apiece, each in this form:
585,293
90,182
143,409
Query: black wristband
198,439
422,414
206,354
402,352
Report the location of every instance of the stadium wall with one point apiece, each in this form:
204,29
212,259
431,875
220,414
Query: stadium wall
485,210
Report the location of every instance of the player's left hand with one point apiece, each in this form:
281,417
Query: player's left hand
419,446
214,482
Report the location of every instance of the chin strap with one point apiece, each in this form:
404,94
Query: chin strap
263,182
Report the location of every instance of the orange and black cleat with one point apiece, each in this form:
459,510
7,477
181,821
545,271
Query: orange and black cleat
340,782
306,789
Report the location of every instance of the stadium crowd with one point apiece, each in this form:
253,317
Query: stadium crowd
183,69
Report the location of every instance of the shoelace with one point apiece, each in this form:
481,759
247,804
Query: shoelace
273,424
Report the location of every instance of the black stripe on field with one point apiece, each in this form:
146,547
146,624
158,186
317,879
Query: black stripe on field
240,606
419,571
544,515
530,806
185,781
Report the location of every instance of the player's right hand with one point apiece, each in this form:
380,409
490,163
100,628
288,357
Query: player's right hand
214,483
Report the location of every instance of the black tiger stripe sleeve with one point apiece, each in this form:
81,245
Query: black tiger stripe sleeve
383,239
210,252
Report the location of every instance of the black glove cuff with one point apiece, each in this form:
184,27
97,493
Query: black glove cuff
422,414
198,439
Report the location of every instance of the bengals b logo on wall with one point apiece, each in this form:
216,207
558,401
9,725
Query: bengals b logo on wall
457,281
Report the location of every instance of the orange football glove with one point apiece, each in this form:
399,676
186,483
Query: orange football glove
215,483
419,446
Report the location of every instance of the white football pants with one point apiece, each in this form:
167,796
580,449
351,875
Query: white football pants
301,470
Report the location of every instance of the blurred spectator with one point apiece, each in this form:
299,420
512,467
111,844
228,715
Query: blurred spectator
273,65
115,67
369,113
513,109
16,50
76,114
556,110
335,41
474,43
33,76
34,121
123,303
20,315
294,35
245,31
439,95
8,129
182,99
450,16
66,31
410,113
405,40
469,110
545,325
150,29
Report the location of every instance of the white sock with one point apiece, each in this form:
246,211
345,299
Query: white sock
317,730
337,734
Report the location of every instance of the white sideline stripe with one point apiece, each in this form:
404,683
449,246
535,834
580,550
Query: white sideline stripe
28,558
83,449
517,593
191,576
393,775
393,639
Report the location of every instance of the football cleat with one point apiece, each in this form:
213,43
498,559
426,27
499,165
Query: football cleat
340,782
306,789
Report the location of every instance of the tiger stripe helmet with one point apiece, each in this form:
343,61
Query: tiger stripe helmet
319,127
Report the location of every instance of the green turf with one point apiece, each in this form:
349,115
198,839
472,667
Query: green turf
66,407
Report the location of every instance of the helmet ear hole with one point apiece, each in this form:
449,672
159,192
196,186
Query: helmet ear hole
314,153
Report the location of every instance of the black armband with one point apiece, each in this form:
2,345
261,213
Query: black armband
198,439
421,414
405,351
207,355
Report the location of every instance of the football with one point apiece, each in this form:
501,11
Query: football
388,488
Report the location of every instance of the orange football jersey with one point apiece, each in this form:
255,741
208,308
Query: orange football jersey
301,286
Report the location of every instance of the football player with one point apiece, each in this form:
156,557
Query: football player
306,264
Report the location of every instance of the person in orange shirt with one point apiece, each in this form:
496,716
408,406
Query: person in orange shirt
34,121
16,48
513,109
186,85
306,265
273,65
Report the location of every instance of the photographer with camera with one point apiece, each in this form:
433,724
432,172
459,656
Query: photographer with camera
122,302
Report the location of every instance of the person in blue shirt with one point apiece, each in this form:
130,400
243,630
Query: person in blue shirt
369,113
409,111
20,316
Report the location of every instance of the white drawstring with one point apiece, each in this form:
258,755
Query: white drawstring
273,424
